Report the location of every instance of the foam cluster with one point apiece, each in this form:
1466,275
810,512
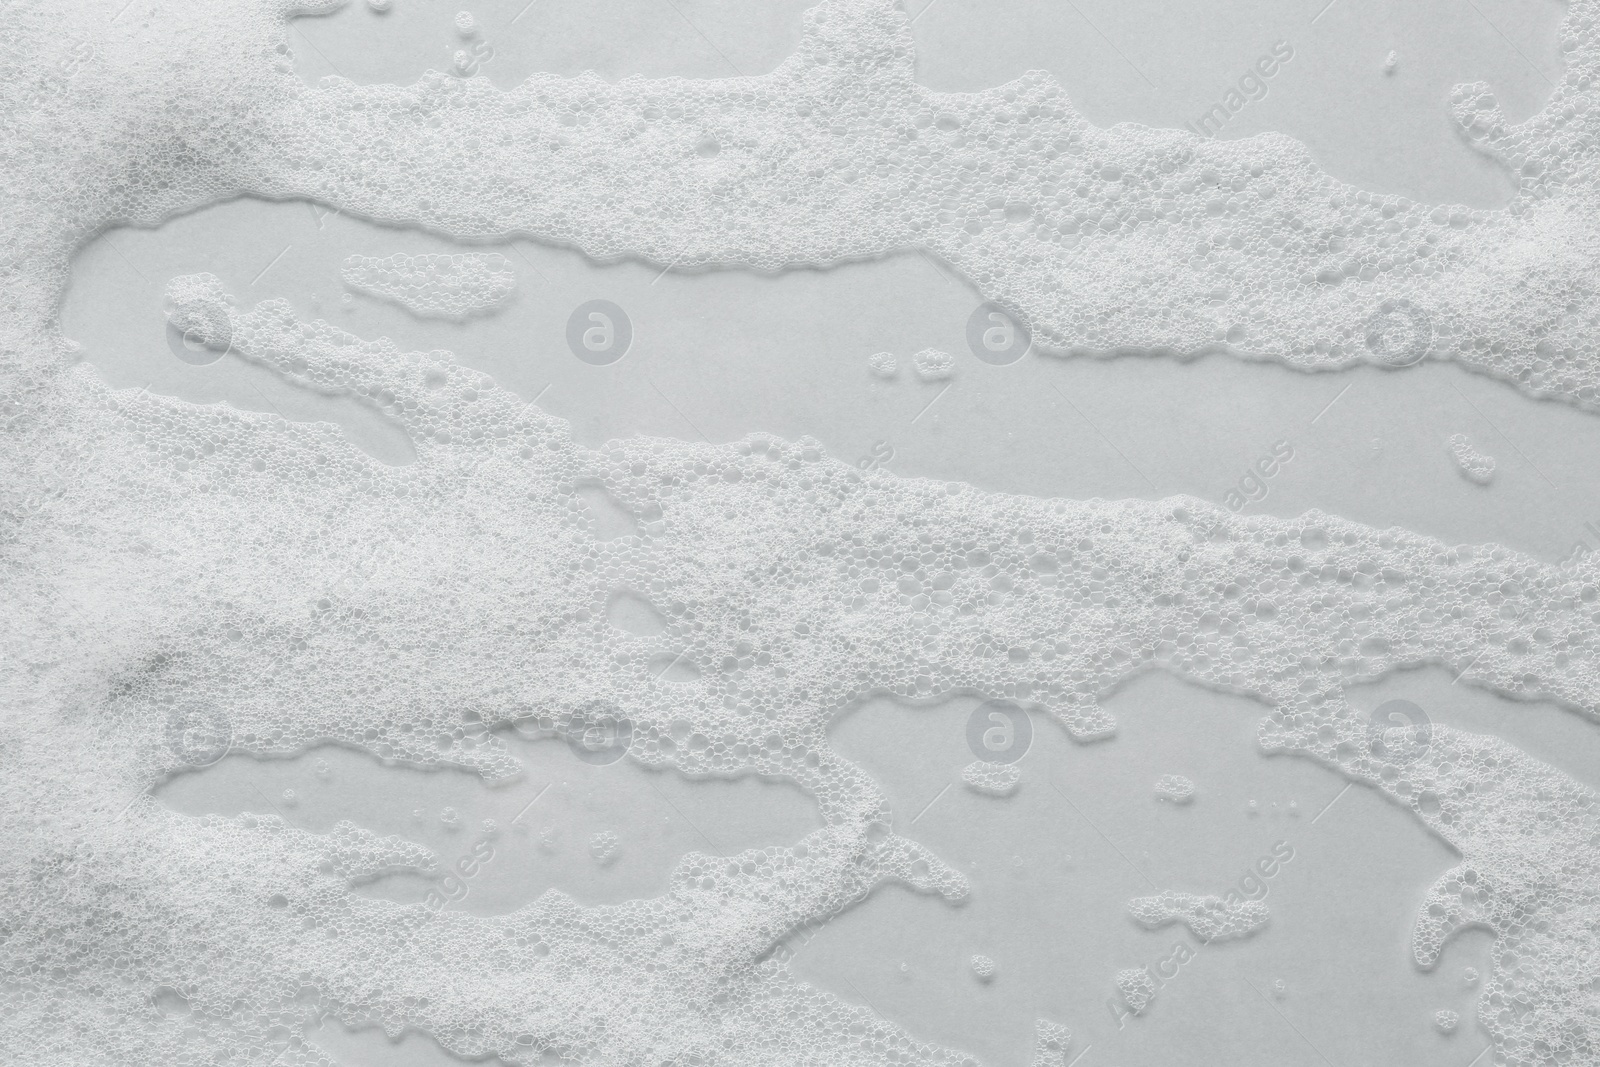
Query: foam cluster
435,286
1174,789
1101,240
175,573
1210,918
273,572
1473,465
993,779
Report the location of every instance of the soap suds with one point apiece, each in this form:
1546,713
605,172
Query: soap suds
435,286
1209,918
275,587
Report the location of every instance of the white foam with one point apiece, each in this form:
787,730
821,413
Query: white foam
1210,918
274,582
1474,465
439,286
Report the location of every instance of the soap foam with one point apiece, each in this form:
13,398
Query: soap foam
166,561
829,586
436,286
1210,918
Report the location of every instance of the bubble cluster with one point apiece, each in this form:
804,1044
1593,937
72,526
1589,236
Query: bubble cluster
883,365
603,847
993,779
1137,987
1473,465
1210,918
1050,1042
436,286
933,365
1174,789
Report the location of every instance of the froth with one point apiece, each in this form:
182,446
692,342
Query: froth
165,561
